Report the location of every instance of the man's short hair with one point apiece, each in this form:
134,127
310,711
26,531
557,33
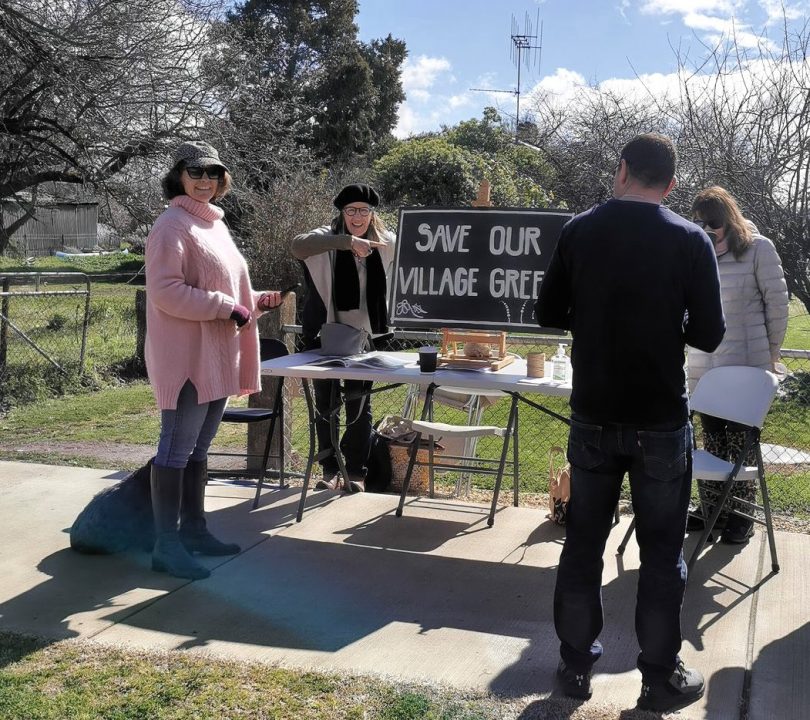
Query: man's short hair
651,159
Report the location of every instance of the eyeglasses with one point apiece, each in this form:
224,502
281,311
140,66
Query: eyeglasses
361,211
711,224
214,172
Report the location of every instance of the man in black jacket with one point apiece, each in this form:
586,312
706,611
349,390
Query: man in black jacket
634,283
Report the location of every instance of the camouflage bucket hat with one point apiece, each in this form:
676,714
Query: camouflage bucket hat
197,153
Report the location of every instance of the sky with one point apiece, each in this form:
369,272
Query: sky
457,45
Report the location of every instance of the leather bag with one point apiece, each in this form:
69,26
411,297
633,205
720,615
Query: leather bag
559,487
341,340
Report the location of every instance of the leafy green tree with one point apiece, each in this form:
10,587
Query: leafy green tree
447,169
346,90
427,171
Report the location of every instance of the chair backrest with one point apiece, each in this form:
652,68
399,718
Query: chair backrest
737,393
270,348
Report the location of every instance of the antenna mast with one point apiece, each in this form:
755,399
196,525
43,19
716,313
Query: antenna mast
520,52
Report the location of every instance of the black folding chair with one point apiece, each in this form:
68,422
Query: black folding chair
269,348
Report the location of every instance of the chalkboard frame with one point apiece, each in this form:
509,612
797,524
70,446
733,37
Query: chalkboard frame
516,315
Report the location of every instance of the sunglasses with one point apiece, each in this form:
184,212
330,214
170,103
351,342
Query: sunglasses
214,172
352,211
711,224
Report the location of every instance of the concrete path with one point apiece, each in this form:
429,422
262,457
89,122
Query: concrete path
435,596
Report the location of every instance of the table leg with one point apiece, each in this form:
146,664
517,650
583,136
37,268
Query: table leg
510,425
427,414
311,456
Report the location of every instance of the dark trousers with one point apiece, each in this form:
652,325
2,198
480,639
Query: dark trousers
356,441
658,460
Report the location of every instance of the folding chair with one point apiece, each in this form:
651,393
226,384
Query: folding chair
464,463
742,395
473,403
269,348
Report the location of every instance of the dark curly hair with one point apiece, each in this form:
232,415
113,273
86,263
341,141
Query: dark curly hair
172,183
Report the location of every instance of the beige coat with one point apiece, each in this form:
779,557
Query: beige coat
755,303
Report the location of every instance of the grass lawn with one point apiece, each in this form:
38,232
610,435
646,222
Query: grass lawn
86,682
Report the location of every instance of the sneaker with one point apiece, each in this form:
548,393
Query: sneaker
683,687
329,481
574,684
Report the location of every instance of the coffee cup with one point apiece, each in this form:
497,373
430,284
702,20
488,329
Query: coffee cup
428,357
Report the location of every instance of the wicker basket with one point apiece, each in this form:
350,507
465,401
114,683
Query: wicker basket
420,477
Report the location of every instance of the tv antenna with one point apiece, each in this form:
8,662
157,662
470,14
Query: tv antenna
520,52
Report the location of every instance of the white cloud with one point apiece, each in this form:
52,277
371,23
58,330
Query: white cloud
457,101
421,74
684,7
778,10
425,80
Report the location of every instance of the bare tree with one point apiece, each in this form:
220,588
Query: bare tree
744,125
88,85
739,119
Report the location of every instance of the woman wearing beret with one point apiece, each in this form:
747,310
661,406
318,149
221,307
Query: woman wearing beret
346,269
202,346
755,303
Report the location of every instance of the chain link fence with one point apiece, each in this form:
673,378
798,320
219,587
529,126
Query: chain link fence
43,326
54,329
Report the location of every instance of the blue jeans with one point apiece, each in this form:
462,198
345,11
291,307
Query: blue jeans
658,460
356,441
187,431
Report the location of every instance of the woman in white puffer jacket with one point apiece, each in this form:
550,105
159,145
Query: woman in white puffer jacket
755,303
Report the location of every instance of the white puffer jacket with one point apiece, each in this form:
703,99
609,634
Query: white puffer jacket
755,303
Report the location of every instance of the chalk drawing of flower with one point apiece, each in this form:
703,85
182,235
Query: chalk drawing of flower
405,308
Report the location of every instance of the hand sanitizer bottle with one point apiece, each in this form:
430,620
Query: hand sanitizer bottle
560,365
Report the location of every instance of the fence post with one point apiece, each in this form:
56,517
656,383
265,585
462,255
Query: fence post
270,326
4,327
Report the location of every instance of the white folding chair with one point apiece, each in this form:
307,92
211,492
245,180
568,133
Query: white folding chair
464,463
742,395
473,403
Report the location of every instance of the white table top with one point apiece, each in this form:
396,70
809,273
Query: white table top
511,378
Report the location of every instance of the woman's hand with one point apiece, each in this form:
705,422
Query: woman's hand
269,300
363,248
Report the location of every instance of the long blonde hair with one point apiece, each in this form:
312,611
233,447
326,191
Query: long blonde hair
715,206
376,227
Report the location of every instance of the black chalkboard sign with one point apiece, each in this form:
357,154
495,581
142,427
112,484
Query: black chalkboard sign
475,268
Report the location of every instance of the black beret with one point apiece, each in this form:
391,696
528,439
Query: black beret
359,192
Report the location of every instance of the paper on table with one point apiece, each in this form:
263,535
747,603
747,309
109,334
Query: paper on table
540,381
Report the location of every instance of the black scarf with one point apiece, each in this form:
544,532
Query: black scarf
346,291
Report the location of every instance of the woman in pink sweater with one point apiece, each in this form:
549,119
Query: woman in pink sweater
202,346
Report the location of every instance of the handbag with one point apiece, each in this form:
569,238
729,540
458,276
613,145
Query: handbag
341,339
559,487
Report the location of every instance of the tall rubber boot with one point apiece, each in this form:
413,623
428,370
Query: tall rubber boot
193,531
169,555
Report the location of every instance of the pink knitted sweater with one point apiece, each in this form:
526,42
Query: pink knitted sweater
194,276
